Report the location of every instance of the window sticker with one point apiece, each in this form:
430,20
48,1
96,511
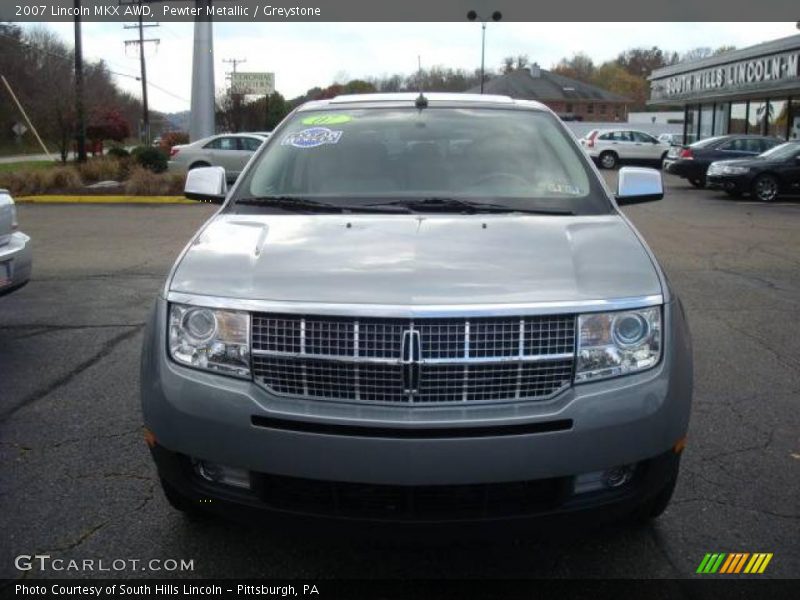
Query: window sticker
312,137
331,119
563,188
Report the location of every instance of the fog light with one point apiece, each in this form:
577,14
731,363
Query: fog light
618,476
216,473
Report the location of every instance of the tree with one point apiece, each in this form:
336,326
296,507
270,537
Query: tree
108,125
643,61
40,68
704,52
615,78
512,63
580,67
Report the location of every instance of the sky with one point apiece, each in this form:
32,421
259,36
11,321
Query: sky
304,55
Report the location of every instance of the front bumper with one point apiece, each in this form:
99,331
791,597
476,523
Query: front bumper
549,502
232,422
16,262
731,183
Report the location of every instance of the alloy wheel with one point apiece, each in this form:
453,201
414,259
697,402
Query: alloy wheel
766,188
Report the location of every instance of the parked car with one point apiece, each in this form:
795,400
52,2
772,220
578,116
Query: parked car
765,177
428,309
673,139
16,256
610,147
691,162
231,151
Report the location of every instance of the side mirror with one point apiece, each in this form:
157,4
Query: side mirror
207,184
637,184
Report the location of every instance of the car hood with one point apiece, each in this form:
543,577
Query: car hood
740,162
417,260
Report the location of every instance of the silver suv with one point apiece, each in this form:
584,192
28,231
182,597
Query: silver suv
418,308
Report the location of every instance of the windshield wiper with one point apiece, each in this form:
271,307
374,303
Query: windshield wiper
299,203
435,203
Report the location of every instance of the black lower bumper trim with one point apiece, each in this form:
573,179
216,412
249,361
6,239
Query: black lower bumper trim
412,432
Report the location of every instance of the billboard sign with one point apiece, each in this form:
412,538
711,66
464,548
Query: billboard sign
253,84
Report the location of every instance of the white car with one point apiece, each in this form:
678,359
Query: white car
610,147
231,151
673,139
16,256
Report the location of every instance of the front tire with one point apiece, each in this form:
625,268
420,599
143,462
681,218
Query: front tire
609,160
698,182
765,188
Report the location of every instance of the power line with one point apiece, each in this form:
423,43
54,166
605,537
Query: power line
150,83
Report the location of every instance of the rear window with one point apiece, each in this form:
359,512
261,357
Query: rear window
707,143
405,152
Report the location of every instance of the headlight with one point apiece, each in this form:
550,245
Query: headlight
206,338
735,170
617,343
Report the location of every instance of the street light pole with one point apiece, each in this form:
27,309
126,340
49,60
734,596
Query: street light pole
496,16
483,53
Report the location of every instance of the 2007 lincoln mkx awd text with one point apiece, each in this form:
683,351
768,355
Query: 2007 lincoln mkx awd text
418,308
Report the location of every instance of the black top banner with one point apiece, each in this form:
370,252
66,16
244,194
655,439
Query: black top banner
396,10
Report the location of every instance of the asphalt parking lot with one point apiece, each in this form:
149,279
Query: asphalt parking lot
76,479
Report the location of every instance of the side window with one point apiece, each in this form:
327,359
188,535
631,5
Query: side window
642,137
735,145
249,144
223,143
623,136
606,136
754,145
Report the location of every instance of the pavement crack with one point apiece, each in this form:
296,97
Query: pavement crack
42,328
80,539
22,448
110,436
35,396
762,511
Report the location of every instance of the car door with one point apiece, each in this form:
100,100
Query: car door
622,143
247,147
739,147
647,147
221,152
789,172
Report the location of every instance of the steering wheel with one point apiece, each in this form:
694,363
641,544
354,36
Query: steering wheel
501,176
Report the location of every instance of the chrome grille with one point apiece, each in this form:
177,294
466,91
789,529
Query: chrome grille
424,361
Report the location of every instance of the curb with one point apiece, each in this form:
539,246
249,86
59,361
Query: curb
61,199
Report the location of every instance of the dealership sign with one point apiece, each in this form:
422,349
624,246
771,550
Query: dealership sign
255,84
736,76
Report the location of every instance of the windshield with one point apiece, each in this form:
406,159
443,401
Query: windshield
518,157
782,151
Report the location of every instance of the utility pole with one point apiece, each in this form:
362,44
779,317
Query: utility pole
80,113
235,96
145,133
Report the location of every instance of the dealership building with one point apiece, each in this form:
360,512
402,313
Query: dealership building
752,90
